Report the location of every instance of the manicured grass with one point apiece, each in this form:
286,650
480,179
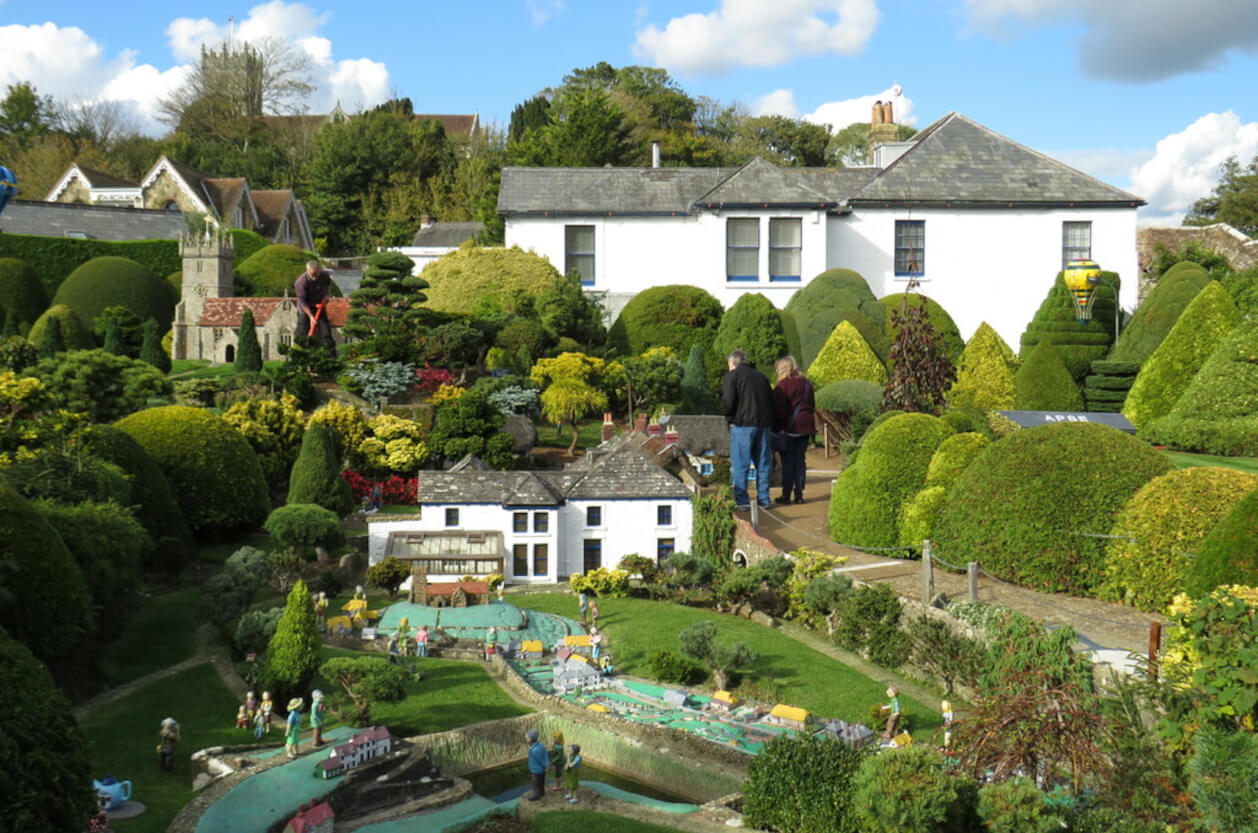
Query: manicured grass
452,694
584,821
797,674
183,369
590,433
1184,460
122,740
162,633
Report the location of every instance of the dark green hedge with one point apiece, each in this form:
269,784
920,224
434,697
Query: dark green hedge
1229,552
670,316
1158,312
272,270
151,494
1044,383
1118,383
1110,367
105,282
950,336
1021,507
833,296
21,293
1079,344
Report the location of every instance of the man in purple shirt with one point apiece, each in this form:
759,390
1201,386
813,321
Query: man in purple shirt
313,288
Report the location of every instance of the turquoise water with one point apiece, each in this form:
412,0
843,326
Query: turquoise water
458,815
511,782
259,801
473,622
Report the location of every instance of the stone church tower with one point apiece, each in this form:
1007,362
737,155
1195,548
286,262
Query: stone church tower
207,273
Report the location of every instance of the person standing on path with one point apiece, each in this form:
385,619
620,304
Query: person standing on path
312,289
594,613
317,712
556,759
748,403
169,739
421,641
573,773
794,405
293,735
538,762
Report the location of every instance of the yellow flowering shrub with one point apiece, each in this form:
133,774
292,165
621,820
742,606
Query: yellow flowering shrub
348,423
447,393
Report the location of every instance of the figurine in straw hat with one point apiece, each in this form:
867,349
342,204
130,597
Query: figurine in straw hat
294,726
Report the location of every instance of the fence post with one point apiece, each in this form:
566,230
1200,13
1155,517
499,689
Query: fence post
755,516
971,570
1155,646
928,573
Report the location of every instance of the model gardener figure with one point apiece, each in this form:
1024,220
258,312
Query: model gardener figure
313,289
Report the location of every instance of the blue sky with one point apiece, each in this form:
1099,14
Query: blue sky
1147,94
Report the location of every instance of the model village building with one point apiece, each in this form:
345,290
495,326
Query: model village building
364,746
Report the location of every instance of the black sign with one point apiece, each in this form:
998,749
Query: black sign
1030,419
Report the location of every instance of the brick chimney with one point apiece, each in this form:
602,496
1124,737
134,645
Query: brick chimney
609,427
425,221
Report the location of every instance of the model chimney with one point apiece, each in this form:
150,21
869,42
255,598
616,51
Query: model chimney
655,154
609,427
425,221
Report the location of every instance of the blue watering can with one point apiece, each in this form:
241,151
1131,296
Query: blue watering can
112,792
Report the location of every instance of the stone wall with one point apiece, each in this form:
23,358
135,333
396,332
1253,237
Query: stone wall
751,545
1240,251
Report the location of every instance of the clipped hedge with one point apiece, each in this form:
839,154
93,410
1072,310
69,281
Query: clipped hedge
984,373
21,293
156,507
1158,312
214,474
1166,521
846,355
1020,507
917,519
271,271
1218,413
1044,383
1169,371
316,474
673,316
866,503
116,281
75,334
753,325
833,296
1079,344
1229,552
949,336
954,456
474,277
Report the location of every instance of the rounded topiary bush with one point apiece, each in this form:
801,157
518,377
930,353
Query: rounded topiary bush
213,472
950,340
1079,343
1218,413
868,497
316,474
833,296
1043,383
846,355
754,326
272,271
1229,553
849,396
985,373
474,277
1021,507
1166,374
667,316
75,334
954,456
21,293
116,282
917,519
1158,312
1161,526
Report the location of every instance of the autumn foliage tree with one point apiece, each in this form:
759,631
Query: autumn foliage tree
921,371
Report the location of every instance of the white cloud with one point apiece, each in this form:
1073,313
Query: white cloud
1185,165
776,103
68,64
755,33
1133,40
839,114
541,11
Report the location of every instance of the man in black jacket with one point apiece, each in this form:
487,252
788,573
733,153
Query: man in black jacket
748,401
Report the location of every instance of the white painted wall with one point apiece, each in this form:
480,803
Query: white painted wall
991,265
423,255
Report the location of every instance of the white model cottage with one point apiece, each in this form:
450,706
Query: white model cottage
540,526
981,221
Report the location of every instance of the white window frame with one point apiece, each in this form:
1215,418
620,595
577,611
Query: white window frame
741,250
1071,248
907,256
792,251
575,256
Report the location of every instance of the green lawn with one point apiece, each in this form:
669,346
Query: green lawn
162,633
122,740
797,674
183,369
1183,460
590,433
584,821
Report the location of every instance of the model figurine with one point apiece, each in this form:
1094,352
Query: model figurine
293,735
168,737
317,712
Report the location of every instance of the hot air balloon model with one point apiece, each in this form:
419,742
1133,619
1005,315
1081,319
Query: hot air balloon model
1082,277
8,187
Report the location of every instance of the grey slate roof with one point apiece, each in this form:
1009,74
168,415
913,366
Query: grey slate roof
954,161
624,471
100,179
98,222
447,234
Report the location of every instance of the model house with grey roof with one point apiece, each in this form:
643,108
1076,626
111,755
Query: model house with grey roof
982,222
540,526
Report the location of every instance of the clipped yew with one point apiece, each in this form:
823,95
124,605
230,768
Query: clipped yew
1158,312
1056,322
272,270
1218,413
1022,507
74,334
1159,530
866,503
950,340
292,657
668,316
985,373
316,474
833,296
248,351
1164,377
754,326
917,518
846,355
115,281
151,495
21,294
1229,552
954,456
1043,383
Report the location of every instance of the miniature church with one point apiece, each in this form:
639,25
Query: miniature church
208,316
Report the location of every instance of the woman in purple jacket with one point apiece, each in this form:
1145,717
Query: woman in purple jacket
793,407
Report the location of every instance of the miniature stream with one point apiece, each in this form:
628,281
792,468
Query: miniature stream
512,781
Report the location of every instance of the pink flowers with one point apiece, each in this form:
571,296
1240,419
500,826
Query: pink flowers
395,490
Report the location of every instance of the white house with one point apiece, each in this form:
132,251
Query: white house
362,747
436,240
541,526
981,221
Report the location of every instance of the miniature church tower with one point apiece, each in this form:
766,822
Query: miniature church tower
207,273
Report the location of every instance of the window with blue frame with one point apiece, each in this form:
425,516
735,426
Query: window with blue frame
452,517
910,248
664,515
579,252
593,516
742,249
541,521
591,554
664,548
541,557
520,522
786,235
520,560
